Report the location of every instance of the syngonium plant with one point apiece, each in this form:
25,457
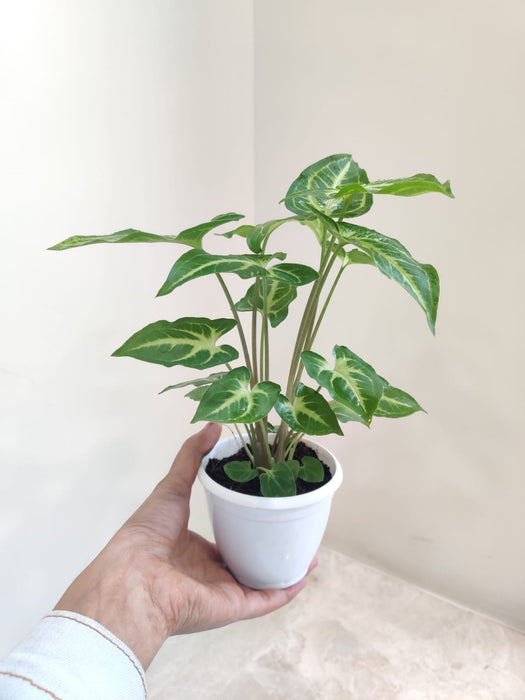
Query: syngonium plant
325,198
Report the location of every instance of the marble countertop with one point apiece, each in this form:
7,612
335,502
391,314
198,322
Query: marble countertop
353,634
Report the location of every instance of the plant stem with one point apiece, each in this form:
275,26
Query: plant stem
296,439
313,334
265,335
231,303
309,317
244,444
255,377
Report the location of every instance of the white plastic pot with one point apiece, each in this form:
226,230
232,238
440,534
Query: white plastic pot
268,542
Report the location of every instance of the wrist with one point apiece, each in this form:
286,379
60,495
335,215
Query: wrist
113,591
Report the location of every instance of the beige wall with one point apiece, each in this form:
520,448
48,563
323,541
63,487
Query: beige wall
113,115
406,87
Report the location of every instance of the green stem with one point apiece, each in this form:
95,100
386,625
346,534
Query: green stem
310,317
313,334
231,303
255,377
265,335
244,444
296,439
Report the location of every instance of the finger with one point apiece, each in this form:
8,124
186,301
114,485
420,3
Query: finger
181,476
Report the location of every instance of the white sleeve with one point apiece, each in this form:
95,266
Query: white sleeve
71,657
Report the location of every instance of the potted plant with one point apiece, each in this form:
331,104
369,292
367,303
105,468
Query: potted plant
269,488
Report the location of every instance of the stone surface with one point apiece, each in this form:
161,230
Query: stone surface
353,634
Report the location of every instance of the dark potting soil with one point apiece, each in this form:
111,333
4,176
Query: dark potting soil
215,469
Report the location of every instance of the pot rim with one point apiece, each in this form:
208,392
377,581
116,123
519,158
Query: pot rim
274,503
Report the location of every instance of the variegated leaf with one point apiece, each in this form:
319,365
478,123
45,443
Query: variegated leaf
346,414
129,235
422,183
353,382
258,235
310,413
292,273
396,403
317,188
193,236
241,231
394,260
190,342
278,482
199,383
230,399
197,263
279,296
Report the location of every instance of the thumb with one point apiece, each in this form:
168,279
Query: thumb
180,478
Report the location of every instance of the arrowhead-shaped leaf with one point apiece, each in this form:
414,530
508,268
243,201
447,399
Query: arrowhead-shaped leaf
258,235
422,183
346,414
352,382
230,399
279,296
193,236
310,413
292,273
241,471
393,260
190,342
197,263
317,188
200,383
129,235
278,481
396,403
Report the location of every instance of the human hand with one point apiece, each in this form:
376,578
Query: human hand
156,578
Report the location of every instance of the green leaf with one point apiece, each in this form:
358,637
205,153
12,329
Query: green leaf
422,183
317,188
311,470
279,296
230,399
346,414
193,236
310,413
129,235
394,260
241,231
197,393
294,466
353,382
292,273
278,481
355,257
396,403
197,263
190,342
241,471
258,235
199,383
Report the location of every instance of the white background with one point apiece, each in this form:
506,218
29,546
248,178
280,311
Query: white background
161,115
